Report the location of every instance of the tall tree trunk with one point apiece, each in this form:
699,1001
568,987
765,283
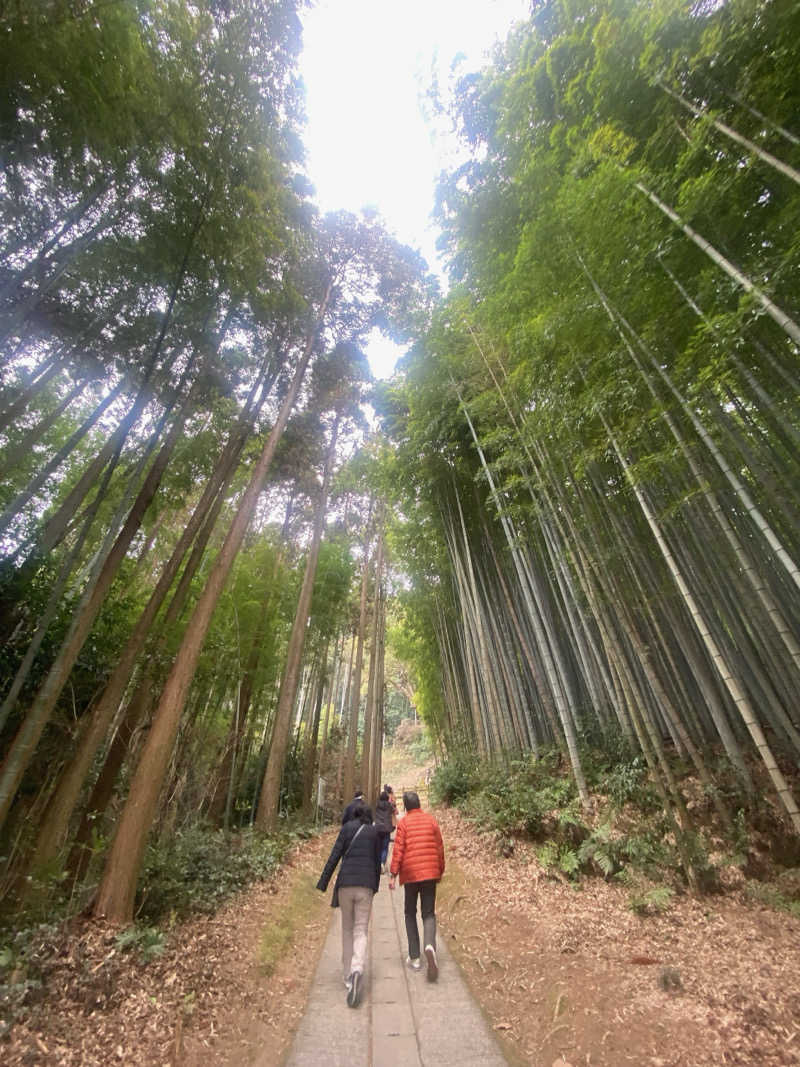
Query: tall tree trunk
370,711
23,747
310,760
118,887
764,156
727,676
267,814
377,730
355,676
12,457
22,498
218,807
786,323
543,644
64,800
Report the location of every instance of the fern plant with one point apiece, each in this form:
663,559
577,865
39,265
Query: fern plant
146,941
599,850
568,862
652,902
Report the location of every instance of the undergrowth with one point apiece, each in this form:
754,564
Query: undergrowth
628,836
193,871
197,869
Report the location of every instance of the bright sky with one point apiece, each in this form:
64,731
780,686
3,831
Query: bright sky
367,65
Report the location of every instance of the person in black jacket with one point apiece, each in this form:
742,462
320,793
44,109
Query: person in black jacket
384,824
359,848
347,814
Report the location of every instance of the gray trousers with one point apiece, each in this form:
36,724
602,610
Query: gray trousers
355,904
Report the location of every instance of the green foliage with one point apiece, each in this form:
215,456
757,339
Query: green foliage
591,345
652,901
646,850
547,854
195,870
569,862
600,851
770,895
627,783
535,800
146,941
453,781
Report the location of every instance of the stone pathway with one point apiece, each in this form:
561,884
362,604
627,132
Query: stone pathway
403,1020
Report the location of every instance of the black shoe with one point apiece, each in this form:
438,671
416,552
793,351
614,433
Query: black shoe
354,992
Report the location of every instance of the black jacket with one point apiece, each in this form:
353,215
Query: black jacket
362,864
347,815
383,817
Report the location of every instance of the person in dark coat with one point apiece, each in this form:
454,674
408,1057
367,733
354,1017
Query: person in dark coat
384,824
358,847
347,814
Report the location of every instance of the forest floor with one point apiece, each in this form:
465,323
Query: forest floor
228,988
565,976
572,976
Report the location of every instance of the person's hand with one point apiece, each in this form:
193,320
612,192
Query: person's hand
392,880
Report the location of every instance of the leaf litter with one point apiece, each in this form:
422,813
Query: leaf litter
207,999
711,981
566,976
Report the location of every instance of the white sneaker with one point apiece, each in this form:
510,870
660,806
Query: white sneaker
415,965
433,963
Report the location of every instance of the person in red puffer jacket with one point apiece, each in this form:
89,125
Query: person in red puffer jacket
418,857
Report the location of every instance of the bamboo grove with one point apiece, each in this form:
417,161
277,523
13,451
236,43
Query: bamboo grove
192,575
580,525
597,437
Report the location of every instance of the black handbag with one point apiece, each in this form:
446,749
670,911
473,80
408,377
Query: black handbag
335,897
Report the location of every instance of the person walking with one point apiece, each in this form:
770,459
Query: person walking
384,824
358,847
418,858
358,798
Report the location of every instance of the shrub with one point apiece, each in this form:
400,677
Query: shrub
600,851
626,783
547,855
453,781
195,870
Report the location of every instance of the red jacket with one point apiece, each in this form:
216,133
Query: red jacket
418,853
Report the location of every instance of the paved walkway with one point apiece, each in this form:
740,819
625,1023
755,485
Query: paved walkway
403,1019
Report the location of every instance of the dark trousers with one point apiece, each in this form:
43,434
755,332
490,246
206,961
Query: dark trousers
384,839
426,892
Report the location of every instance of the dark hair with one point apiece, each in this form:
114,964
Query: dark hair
410,800
362,813
358,793
384,796
388,789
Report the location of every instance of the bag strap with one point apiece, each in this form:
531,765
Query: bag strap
352,839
